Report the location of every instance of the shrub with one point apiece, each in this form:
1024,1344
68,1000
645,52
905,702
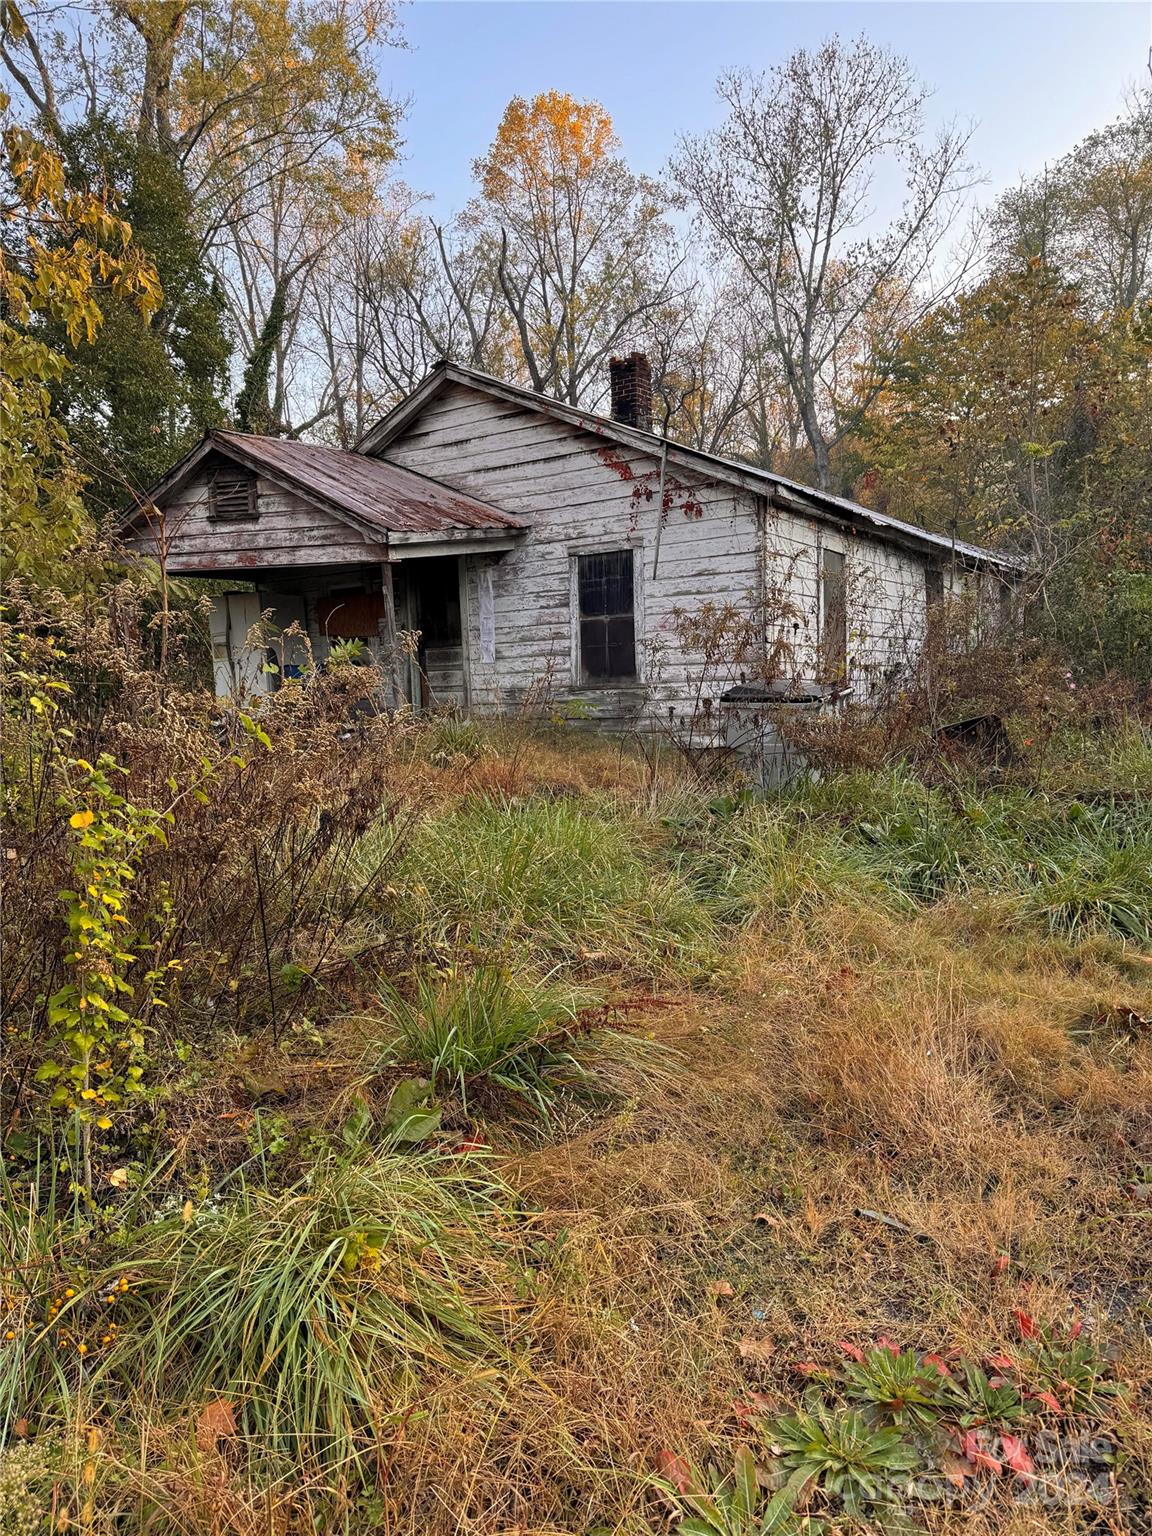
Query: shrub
241,904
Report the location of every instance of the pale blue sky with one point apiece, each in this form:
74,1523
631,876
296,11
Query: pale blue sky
1035,77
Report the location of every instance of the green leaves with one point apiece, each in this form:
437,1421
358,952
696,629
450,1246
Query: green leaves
841,1452
412,1115
907,1391
735,1504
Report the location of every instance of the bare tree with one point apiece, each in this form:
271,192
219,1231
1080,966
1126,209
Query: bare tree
1090,214
785,186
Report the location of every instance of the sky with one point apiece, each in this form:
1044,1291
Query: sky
1033,77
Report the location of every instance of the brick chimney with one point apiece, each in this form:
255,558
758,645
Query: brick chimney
631,378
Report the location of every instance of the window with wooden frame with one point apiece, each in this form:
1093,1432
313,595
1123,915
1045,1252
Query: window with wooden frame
605,584
232,495
834,615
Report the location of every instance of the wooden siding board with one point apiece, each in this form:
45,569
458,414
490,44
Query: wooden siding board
553,476
288,531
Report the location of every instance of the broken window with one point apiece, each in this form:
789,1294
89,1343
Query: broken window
607,617
834,598
231,495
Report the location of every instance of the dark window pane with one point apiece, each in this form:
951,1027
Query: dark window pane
621,648
607,624
594,648
606,583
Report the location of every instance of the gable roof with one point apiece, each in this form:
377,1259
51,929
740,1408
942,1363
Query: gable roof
789,493
374,495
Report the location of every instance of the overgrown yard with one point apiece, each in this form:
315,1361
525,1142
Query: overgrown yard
504,1134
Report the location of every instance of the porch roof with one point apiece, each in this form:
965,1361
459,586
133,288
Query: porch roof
377,496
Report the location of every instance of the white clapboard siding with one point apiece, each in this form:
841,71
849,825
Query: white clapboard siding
573,488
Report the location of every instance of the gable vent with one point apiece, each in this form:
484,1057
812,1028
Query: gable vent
232,495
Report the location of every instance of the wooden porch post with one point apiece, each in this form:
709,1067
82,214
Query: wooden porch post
388,632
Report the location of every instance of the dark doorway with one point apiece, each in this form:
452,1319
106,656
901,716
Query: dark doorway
428,601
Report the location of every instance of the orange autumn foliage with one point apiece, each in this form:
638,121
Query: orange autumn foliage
551,139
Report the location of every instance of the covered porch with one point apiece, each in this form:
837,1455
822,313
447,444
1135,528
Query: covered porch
333,554
406,619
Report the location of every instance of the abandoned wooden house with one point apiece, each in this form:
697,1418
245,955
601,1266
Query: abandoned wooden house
532,550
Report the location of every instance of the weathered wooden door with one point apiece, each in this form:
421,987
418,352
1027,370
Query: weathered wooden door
428,601
237,668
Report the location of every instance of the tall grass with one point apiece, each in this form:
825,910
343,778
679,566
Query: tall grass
550,880
889,840
490,1029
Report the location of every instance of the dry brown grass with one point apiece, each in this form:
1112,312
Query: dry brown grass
970,1080
871,1064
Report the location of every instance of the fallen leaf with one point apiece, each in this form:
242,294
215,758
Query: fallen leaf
1026,1324
216,1421
956,1469
977,1455
1000,1263
884,1342
767,1219
852,1350
806,1368
674,1469
937,1364
755,1406
20,1429
118,1178
762,1350
1017,1457
1049,1399
1000,1362
720,1288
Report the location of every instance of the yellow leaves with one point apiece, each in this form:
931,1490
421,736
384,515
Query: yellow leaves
545,141
81,819
118,1178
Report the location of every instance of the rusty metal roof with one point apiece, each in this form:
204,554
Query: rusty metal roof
374,492
376,496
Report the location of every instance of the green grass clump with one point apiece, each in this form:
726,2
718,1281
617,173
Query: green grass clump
490,1028
552,880
306,1310
766,863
